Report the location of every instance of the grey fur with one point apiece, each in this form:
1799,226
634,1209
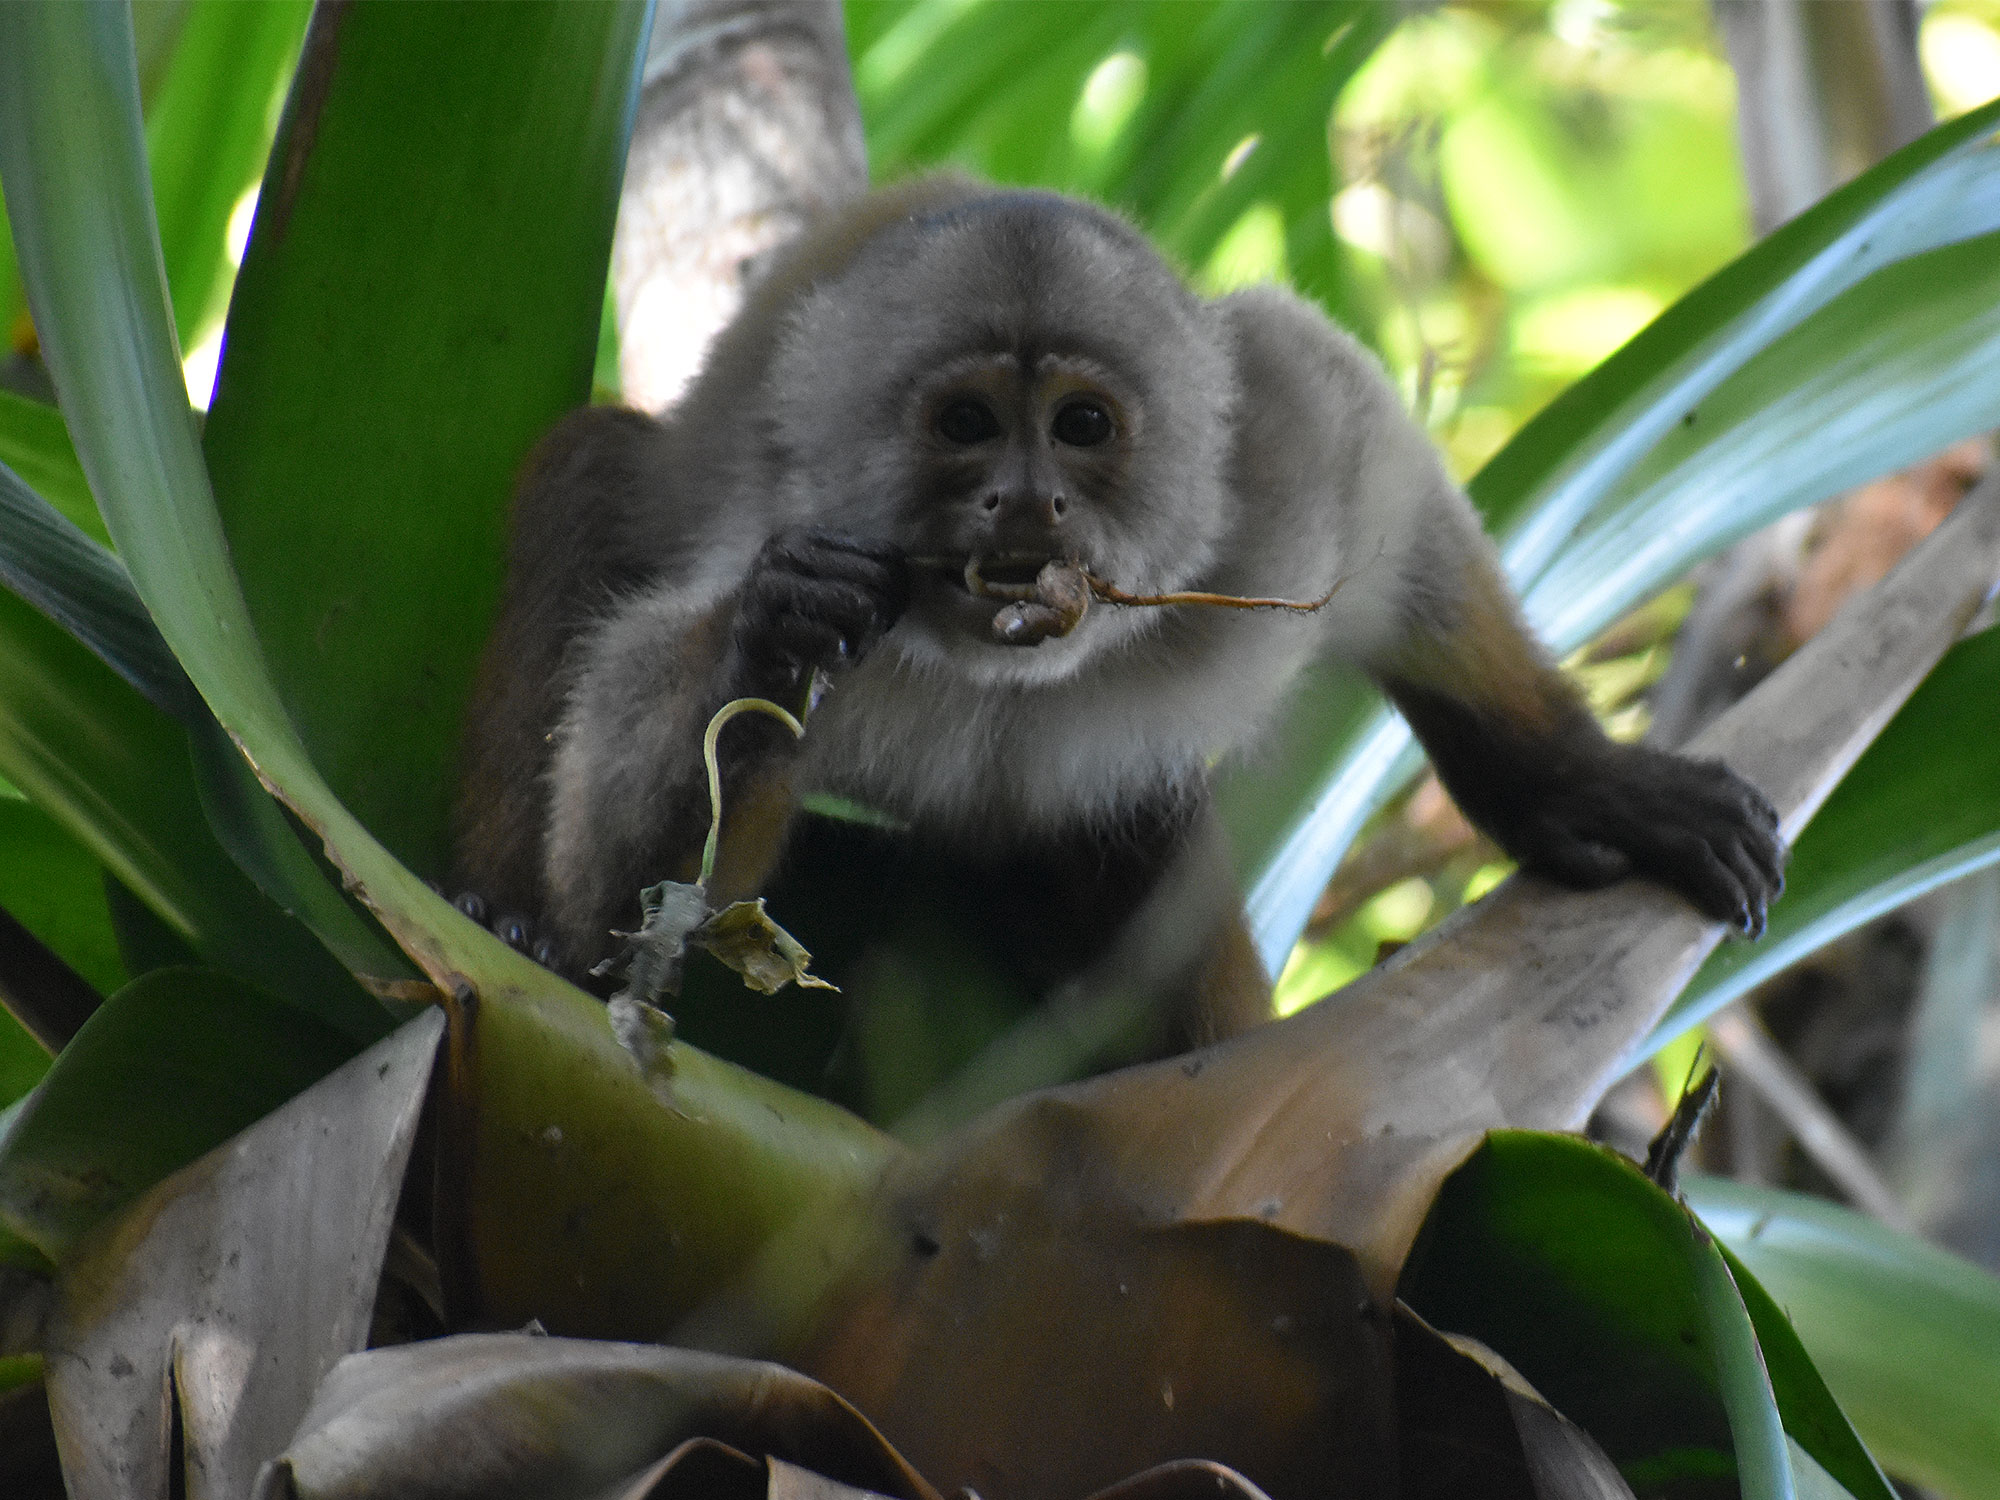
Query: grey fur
1259,451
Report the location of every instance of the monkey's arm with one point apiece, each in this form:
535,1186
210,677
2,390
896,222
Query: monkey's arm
1525,760
1426,612
627,787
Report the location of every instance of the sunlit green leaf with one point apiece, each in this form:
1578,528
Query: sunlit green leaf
1185,115
1907,1336
1888,373
208,126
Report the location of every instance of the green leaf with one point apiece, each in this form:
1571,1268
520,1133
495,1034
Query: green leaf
78,198
380,386
1941,189
113,772
48,561
78,584
1014,92
1907,1336
22,1063
1920,808
1614,1304
171,1066
1763,1462
208,127
1804,1397
69,128
1855,338
35,445
1888,373
54,888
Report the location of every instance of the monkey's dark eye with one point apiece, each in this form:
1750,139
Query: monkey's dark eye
1081,424
966,421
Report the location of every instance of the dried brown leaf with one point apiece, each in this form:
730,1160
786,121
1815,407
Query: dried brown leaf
745,938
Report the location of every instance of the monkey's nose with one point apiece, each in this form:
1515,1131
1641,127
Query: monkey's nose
1025,507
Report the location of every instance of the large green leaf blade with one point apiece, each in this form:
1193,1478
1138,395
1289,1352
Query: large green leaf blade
1888,373
55,566
113,771
381,383
1920,808
1939,190
1607,1296
68,100
1907,1336
80,206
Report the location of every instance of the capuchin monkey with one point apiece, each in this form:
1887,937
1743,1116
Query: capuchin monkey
948,372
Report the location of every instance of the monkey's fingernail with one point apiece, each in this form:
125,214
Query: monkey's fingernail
472,906
513,932
545,953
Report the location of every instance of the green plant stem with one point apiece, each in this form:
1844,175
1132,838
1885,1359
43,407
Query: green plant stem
723,715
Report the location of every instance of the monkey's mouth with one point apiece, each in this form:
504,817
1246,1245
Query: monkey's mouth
990,575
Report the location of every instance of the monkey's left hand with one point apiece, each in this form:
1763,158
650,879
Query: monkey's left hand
814,599
1585,810
1693,825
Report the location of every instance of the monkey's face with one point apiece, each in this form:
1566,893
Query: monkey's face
1016,462
1020,382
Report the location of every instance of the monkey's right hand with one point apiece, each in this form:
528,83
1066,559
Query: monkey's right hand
813,598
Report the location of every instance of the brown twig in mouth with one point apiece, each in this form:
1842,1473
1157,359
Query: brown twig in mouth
1102,589
1110,593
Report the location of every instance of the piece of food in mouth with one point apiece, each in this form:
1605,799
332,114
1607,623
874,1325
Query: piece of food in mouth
1058,598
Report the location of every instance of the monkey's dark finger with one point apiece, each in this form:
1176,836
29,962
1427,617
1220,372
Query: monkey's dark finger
1768,848
472,904
1687,862
817,554
883,578
806,642
513,931
853,607
884,552
1759,855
